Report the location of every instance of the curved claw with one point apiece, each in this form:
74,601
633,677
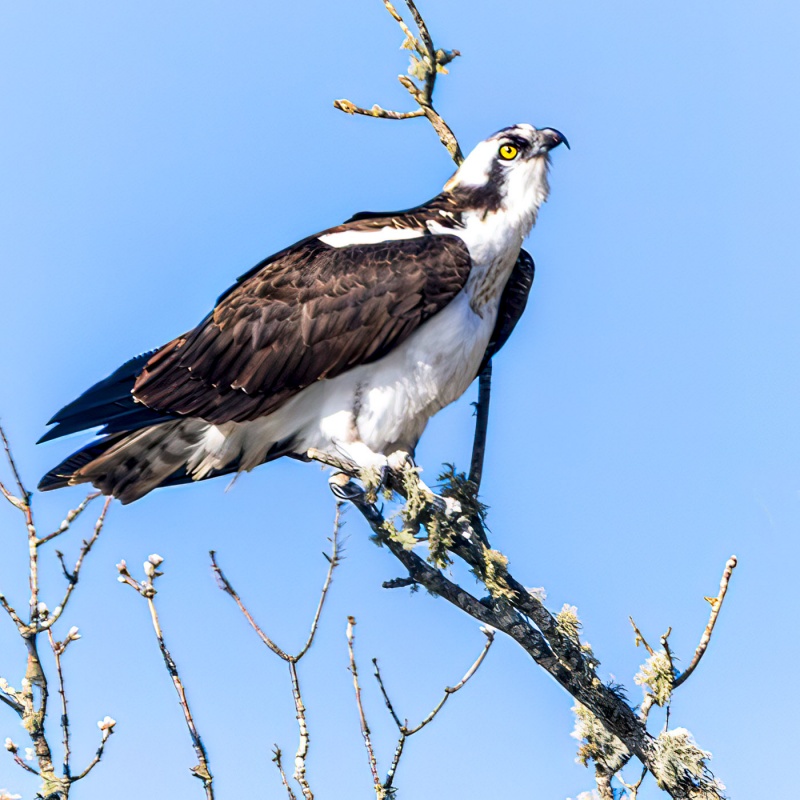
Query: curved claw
345,488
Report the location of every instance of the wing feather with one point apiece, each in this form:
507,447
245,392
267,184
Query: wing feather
310,313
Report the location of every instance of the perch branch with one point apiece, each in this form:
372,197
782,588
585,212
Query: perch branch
523,617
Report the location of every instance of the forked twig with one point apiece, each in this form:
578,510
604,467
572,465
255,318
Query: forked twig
426,63
292,660
405,730
75,574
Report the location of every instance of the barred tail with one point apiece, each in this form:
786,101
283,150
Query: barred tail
129,465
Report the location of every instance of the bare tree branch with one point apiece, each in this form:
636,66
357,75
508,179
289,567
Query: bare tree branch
75,574
405,731
70,518
279,764
146,589
426,62
365,732
30,702
716,607
292,660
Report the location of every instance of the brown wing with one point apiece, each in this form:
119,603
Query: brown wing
312,312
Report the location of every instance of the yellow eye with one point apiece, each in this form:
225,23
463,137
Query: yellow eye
508,152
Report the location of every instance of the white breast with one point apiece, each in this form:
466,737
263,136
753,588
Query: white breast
382,407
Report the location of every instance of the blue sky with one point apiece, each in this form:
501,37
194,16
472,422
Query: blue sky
645,418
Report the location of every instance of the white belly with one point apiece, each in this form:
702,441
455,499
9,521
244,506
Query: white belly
376,408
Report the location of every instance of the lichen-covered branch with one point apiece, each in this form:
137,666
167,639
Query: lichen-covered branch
552,640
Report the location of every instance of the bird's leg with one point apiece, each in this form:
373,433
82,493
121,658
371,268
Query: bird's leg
417,493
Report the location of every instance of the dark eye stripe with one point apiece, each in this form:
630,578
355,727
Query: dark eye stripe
517,141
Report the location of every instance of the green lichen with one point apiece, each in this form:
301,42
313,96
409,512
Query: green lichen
596,743
568,623
371,479
656,677
495,566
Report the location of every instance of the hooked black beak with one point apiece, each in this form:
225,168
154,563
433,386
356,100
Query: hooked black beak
553,138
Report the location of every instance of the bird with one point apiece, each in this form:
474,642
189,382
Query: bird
346,342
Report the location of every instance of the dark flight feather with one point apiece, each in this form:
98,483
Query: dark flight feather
512,304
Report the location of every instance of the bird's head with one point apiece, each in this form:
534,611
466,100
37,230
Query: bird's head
507,171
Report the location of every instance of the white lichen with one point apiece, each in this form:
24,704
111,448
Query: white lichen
596,743
678,761
656,677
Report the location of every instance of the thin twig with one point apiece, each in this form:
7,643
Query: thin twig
276,758
227,587
27,767
333,562
385,694
640,638
97,756
373,764
58,649
376,111
75,575
668,652
69,519
405,731
451,690
23,492
9,609
716,607
481,425
202,770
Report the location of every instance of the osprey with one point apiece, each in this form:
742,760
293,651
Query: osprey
348,341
